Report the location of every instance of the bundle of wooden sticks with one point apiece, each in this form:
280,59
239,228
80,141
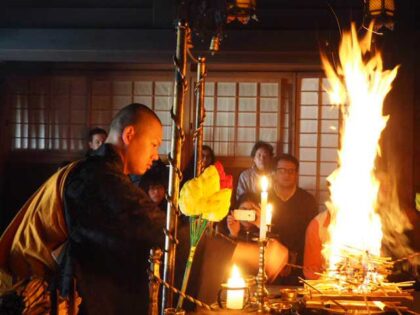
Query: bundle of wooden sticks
358,282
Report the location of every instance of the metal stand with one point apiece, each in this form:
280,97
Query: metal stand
199,115
261,293
175,174
178,137
155,261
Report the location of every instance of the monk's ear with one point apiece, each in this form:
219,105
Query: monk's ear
128,134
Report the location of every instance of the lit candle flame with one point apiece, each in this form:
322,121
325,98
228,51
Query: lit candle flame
235,298
264,183
263,213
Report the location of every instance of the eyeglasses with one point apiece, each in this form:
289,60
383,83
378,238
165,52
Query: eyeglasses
289,171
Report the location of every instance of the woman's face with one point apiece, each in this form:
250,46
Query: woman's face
262,159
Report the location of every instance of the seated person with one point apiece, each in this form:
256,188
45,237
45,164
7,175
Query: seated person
156,191
293,209
155,183
249,180
97,137
243,230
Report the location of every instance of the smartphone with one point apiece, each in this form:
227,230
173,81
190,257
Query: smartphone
244,215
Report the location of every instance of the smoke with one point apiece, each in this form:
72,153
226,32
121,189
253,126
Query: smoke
395,225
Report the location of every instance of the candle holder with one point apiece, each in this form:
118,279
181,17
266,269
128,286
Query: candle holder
225,287
173,311
282,308
261,292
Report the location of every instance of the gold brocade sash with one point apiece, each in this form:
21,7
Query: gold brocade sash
37,230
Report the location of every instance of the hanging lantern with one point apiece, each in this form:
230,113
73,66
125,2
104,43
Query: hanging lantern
215,44
382,11
241,10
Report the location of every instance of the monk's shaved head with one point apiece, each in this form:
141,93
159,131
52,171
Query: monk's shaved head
136,134
135,114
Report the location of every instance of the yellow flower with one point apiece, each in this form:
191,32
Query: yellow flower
217,205
202,196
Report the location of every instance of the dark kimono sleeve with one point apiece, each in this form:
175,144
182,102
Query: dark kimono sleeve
106,210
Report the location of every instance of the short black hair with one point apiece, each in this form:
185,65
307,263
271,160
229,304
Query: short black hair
130,115
212,155
95,131
264,145
248,196
287,157
158,174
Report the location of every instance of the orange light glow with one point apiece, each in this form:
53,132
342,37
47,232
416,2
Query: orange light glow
359,86
380,305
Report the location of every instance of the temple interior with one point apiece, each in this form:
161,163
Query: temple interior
67,67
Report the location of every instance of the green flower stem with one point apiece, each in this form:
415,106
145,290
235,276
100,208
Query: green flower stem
197,227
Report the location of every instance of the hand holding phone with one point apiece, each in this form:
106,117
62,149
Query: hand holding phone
244,215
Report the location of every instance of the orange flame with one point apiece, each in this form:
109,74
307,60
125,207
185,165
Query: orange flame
359,85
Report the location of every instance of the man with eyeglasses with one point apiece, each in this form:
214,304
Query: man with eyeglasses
293,209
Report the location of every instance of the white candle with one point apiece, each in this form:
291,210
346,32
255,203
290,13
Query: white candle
235,298
269,214
264,197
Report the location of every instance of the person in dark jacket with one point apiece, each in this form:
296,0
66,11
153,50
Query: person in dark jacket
94,222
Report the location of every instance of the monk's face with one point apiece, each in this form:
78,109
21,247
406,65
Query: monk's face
143,147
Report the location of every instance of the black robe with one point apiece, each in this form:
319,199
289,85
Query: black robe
112,227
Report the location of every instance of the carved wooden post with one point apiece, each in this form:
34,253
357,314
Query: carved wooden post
199,115
175,174
155,261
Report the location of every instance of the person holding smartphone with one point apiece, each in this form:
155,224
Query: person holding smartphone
243,229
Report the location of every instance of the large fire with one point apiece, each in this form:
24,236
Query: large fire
358,85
